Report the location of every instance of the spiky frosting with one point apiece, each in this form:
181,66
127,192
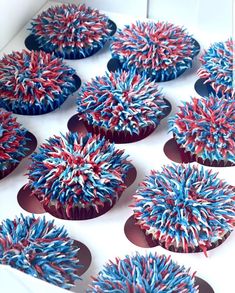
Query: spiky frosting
218,68
34,82
206,127
161,49
80,171
138,273
13,143
38,248
121,101
71,29
185,207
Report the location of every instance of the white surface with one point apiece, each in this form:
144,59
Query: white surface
13,15
137,8
13,281
187,11
104,236
212,18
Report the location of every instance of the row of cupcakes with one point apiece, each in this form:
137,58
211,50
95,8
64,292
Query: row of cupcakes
81,176
37,82
37,247
162,50
78,177
203,129
34,83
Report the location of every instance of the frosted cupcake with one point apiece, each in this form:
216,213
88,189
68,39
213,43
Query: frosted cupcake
204,129
71,31
139,273
77,177
162,50
33,83
217,69
123,106
185,208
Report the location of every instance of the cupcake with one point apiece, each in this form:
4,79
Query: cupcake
76,177
185,208
204,128
13,143
33,83
124,106
71,31
139,273
217,69
38,248
162,50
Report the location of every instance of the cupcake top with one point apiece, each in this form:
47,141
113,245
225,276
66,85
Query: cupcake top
138,273
121,101
38,248
71,27
13,143
161,49
185,207
35,80
206,127
217,68
85,171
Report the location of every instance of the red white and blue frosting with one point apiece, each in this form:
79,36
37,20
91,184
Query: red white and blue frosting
13,142
38,248
161,49
206,127
34,82
218,68
121,101
141,274
83,171
71,30
183,206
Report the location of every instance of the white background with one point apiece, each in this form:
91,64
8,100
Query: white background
14,14
136,8
104,235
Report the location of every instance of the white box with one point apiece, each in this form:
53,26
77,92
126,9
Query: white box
104,235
